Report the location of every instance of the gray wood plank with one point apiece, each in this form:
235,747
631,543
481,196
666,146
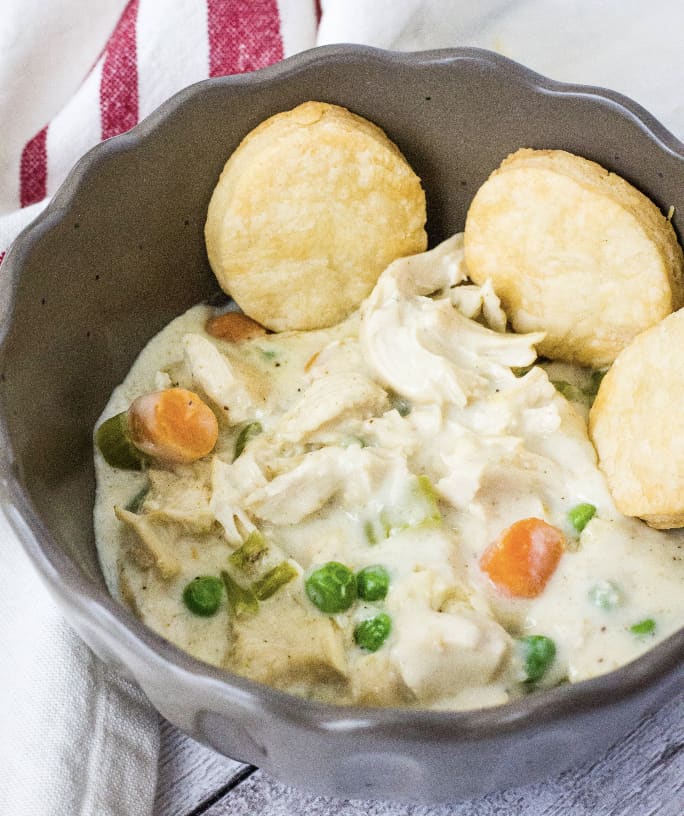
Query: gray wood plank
189,773
641,776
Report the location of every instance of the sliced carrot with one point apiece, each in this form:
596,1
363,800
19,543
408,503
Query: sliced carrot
524,557
173,426
234,327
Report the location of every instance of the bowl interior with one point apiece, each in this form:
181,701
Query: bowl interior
120,251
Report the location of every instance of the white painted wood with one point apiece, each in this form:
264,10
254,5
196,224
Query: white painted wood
189,773
641,776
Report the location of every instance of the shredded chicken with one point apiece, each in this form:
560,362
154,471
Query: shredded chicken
155,541
330,400
230,485
213,372
424,348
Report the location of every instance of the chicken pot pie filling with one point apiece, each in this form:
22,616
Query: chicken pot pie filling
402,509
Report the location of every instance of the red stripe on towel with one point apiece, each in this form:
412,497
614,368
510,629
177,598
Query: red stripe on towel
243,35
33,170
119,83
319,11
2,255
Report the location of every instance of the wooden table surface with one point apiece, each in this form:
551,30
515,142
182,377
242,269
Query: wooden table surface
641,776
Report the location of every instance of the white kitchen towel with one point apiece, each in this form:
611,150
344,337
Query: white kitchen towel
75,739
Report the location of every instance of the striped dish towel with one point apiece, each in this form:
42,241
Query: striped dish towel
156,48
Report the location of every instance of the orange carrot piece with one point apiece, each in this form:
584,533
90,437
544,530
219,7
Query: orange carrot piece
524,557
234,327
173,426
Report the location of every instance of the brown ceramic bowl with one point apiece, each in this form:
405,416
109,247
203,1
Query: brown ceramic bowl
120,251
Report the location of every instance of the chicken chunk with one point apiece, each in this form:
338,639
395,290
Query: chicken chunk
288,643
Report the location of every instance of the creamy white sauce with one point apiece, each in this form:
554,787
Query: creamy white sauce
336,460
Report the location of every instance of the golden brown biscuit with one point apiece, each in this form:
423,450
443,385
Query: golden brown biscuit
575,251
637,425
308,211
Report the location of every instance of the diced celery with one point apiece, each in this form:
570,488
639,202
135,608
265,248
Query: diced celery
353,441
400,404
428,493
606,595
416,507
385,524
250,553
520,371
571,392
273,580
242,600
370,533
591,389
114,442
137,501
584,394
249,431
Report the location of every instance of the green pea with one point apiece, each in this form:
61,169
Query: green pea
372,633
114,442
331,588
605,595
580,515
249,431
539,652
372,583
203,595
644,627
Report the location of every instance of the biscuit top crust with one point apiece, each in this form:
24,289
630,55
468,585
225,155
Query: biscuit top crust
638,428
595,177
310,208
573,250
